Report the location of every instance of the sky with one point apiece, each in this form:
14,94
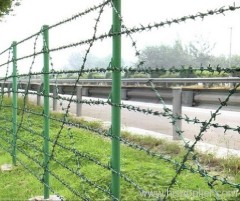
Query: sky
32,14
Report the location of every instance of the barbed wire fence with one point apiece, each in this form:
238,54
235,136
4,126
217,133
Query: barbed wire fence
53,135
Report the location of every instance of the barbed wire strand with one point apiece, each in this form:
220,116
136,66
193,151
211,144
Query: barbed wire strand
198,138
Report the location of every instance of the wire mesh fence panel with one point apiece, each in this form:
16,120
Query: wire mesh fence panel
81,160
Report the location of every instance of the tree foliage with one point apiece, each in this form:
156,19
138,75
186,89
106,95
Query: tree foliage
195,54
200,50
75,61
6,6
165,56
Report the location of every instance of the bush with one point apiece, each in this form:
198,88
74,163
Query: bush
95,76
140,75
210,74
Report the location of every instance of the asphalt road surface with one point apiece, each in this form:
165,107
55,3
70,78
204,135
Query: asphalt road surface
162,125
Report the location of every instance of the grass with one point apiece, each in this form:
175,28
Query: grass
230,165
75,172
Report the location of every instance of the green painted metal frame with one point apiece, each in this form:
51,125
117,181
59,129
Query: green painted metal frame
116,99
46,109
15,102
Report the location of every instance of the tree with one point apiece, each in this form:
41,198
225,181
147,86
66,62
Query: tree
6,6
221,61
75,61
197,53
165,56
224,62
235,61
201,50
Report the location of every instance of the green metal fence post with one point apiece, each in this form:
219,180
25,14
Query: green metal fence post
14,99
116,99
46,110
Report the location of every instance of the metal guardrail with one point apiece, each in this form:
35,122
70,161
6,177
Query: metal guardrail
137,89
136,81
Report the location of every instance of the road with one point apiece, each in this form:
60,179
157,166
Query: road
162,125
